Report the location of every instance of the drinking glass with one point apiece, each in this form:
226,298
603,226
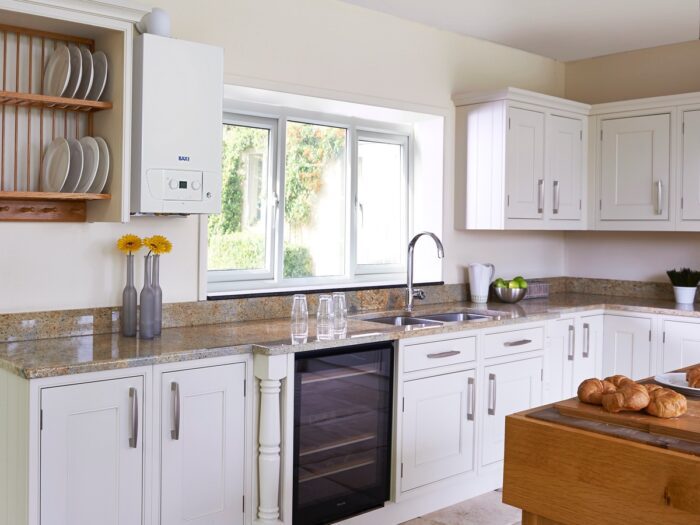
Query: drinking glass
324,317
340,314
300,319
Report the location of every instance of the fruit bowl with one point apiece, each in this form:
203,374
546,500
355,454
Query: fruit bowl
509,295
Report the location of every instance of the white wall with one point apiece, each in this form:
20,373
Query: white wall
313,47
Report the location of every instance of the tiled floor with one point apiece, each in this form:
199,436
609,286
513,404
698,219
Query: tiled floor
486,509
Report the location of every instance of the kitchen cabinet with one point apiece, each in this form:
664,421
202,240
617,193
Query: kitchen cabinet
635,168
690,167
681,345
627,346
438,428
92,454
508,388
202,451
560,358
520,161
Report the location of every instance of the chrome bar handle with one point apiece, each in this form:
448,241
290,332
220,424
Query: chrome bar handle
659,197
519,342
134,397
572,335
440,355
175,432
540,196
471,399
586,340
555,204
492,395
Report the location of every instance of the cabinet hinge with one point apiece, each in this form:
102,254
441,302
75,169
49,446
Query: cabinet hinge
649,335
41,420
403,404
402,470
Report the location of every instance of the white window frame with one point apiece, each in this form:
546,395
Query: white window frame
227,282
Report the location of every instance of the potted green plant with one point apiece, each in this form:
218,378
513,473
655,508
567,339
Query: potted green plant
685,284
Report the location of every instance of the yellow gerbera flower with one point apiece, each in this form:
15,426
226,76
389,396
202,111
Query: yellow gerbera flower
129,243
158,244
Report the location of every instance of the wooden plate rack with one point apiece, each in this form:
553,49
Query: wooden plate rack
30,120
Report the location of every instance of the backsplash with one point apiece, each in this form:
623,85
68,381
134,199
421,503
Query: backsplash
93,321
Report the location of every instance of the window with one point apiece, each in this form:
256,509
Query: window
334,210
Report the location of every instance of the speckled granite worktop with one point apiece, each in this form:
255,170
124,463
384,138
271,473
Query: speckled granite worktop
71,355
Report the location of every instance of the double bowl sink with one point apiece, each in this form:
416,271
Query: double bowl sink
428,320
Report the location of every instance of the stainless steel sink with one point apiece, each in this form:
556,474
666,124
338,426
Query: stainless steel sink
404,320
456,317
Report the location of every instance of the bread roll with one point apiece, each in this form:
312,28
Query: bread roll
665,403
619,380
652,387
693,377
630,396
591,390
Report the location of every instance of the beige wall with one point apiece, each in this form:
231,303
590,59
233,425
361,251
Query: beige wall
315,47
665,70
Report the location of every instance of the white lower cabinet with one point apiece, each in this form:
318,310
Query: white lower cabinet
627,343
438,428
681,345
92,454
202,446
508,388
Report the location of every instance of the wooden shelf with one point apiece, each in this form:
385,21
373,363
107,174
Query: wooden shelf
13,98
45,206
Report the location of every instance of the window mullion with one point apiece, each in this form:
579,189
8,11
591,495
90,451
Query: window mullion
351,259
280,188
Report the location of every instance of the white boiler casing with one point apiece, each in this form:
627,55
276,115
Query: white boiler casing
176,150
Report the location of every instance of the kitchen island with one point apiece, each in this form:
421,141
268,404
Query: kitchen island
562,470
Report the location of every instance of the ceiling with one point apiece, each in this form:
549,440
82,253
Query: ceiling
561,29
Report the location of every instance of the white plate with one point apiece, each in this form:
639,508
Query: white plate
75,166
76,71
91,157
676,381
55,165
57,73
99,79
86,78
102,177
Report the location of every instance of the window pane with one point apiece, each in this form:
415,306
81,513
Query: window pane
380,195
314,206
238,235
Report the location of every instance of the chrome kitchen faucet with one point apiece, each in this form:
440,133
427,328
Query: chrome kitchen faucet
417,293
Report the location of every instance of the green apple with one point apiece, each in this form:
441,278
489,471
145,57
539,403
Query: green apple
500,283
522,283
518,278
513,284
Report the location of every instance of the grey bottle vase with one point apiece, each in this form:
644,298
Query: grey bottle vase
129,297
158,306
148,299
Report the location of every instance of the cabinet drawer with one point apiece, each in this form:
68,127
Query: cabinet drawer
514,342
439,353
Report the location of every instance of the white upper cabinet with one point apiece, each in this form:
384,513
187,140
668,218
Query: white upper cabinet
690,167
635,168
520,161
525,164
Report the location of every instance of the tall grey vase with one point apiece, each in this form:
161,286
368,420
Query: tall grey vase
129,297
158,310
148,300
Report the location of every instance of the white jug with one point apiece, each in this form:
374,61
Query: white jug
480,277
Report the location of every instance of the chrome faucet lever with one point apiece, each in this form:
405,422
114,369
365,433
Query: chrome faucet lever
417,293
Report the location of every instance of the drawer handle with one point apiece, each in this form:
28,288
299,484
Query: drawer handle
471,403
492,395
134,396
175,432
519,342
440,355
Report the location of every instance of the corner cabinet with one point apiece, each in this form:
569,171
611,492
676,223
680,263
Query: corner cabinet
521,160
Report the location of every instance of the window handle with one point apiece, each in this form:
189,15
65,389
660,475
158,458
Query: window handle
361,209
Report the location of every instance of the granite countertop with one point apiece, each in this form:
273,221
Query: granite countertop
71,355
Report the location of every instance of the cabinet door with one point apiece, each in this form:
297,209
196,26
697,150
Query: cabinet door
681,345
690,166
627,346
635,168
202,440
525,164
588,352
564,153
509,388
559,359
438,428
92,453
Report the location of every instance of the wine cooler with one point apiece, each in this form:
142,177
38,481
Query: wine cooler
342,432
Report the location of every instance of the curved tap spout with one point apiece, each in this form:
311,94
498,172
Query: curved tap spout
410,292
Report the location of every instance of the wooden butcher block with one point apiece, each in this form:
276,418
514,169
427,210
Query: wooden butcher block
686,426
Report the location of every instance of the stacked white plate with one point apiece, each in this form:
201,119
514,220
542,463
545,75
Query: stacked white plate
76,166
75,72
